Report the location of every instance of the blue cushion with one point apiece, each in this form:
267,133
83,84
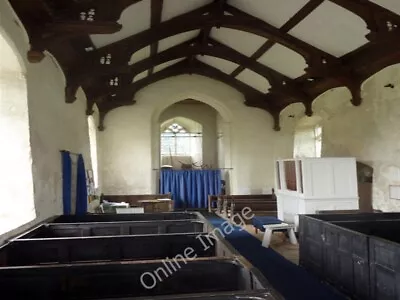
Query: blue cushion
258,222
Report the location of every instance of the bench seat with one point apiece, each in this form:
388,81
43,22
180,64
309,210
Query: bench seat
259,222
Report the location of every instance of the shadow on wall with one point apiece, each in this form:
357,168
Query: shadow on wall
365,175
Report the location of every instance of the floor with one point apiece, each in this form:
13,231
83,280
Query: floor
279,243
278,264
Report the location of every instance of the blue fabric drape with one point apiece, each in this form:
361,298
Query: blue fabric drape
81,188
190,188
66,181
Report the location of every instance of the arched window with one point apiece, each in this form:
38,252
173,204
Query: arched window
93,149
181,143
17,205
308,138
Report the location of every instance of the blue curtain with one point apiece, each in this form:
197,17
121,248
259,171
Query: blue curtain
66,181
190,188
81,188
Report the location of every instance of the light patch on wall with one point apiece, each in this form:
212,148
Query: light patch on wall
93,149
9,61
16,181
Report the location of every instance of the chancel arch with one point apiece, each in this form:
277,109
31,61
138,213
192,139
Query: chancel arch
205,92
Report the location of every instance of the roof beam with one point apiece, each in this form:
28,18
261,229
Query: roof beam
199,19
280,83
279,36
66,20
253,97
156,12
289,25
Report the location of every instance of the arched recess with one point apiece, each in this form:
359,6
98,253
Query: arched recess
387,77
331,102
16,179
290,115
207,96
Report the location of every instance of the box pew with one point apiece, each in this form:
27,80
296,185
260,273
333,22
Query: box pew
200,278
122,217
357,253
57,230
28,252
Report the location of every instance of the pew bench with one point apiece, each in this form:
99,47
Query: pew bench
149,202
228,205
269,224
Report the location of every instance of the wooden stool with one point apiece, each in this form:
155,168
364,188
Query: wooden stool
270,228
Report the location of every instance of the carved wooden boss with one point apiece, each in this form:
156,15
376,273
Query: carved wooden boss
63,28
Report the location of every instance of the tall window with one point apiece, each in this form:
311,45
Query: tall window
180,146
93,149
318,140
308,141
177,141
17,205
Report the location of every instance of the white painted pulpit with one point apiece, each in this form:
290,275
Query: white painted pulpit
308,185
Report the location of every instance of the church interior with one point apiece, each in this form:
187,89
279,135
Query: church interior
200,149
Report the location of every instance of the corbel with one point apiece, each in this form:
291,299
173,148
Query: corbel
290,90
102,116
308,108
70,91
276,118
353,83
89,108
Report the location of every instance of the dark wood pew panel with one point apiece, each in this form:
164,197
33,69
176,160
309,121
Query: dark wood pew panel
123,217
114,248
112,280
60,230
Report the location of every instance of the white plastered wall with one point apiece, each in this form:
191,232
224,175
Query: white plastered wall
54,125
130,142
369,132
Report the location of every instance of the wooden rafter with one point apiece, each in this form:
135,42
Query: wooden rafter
56,26
198,19
156,12
253,97
280,83
290,24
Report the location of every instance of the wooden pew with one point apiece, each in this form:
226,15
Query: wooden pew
148,201
228,205
261,205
